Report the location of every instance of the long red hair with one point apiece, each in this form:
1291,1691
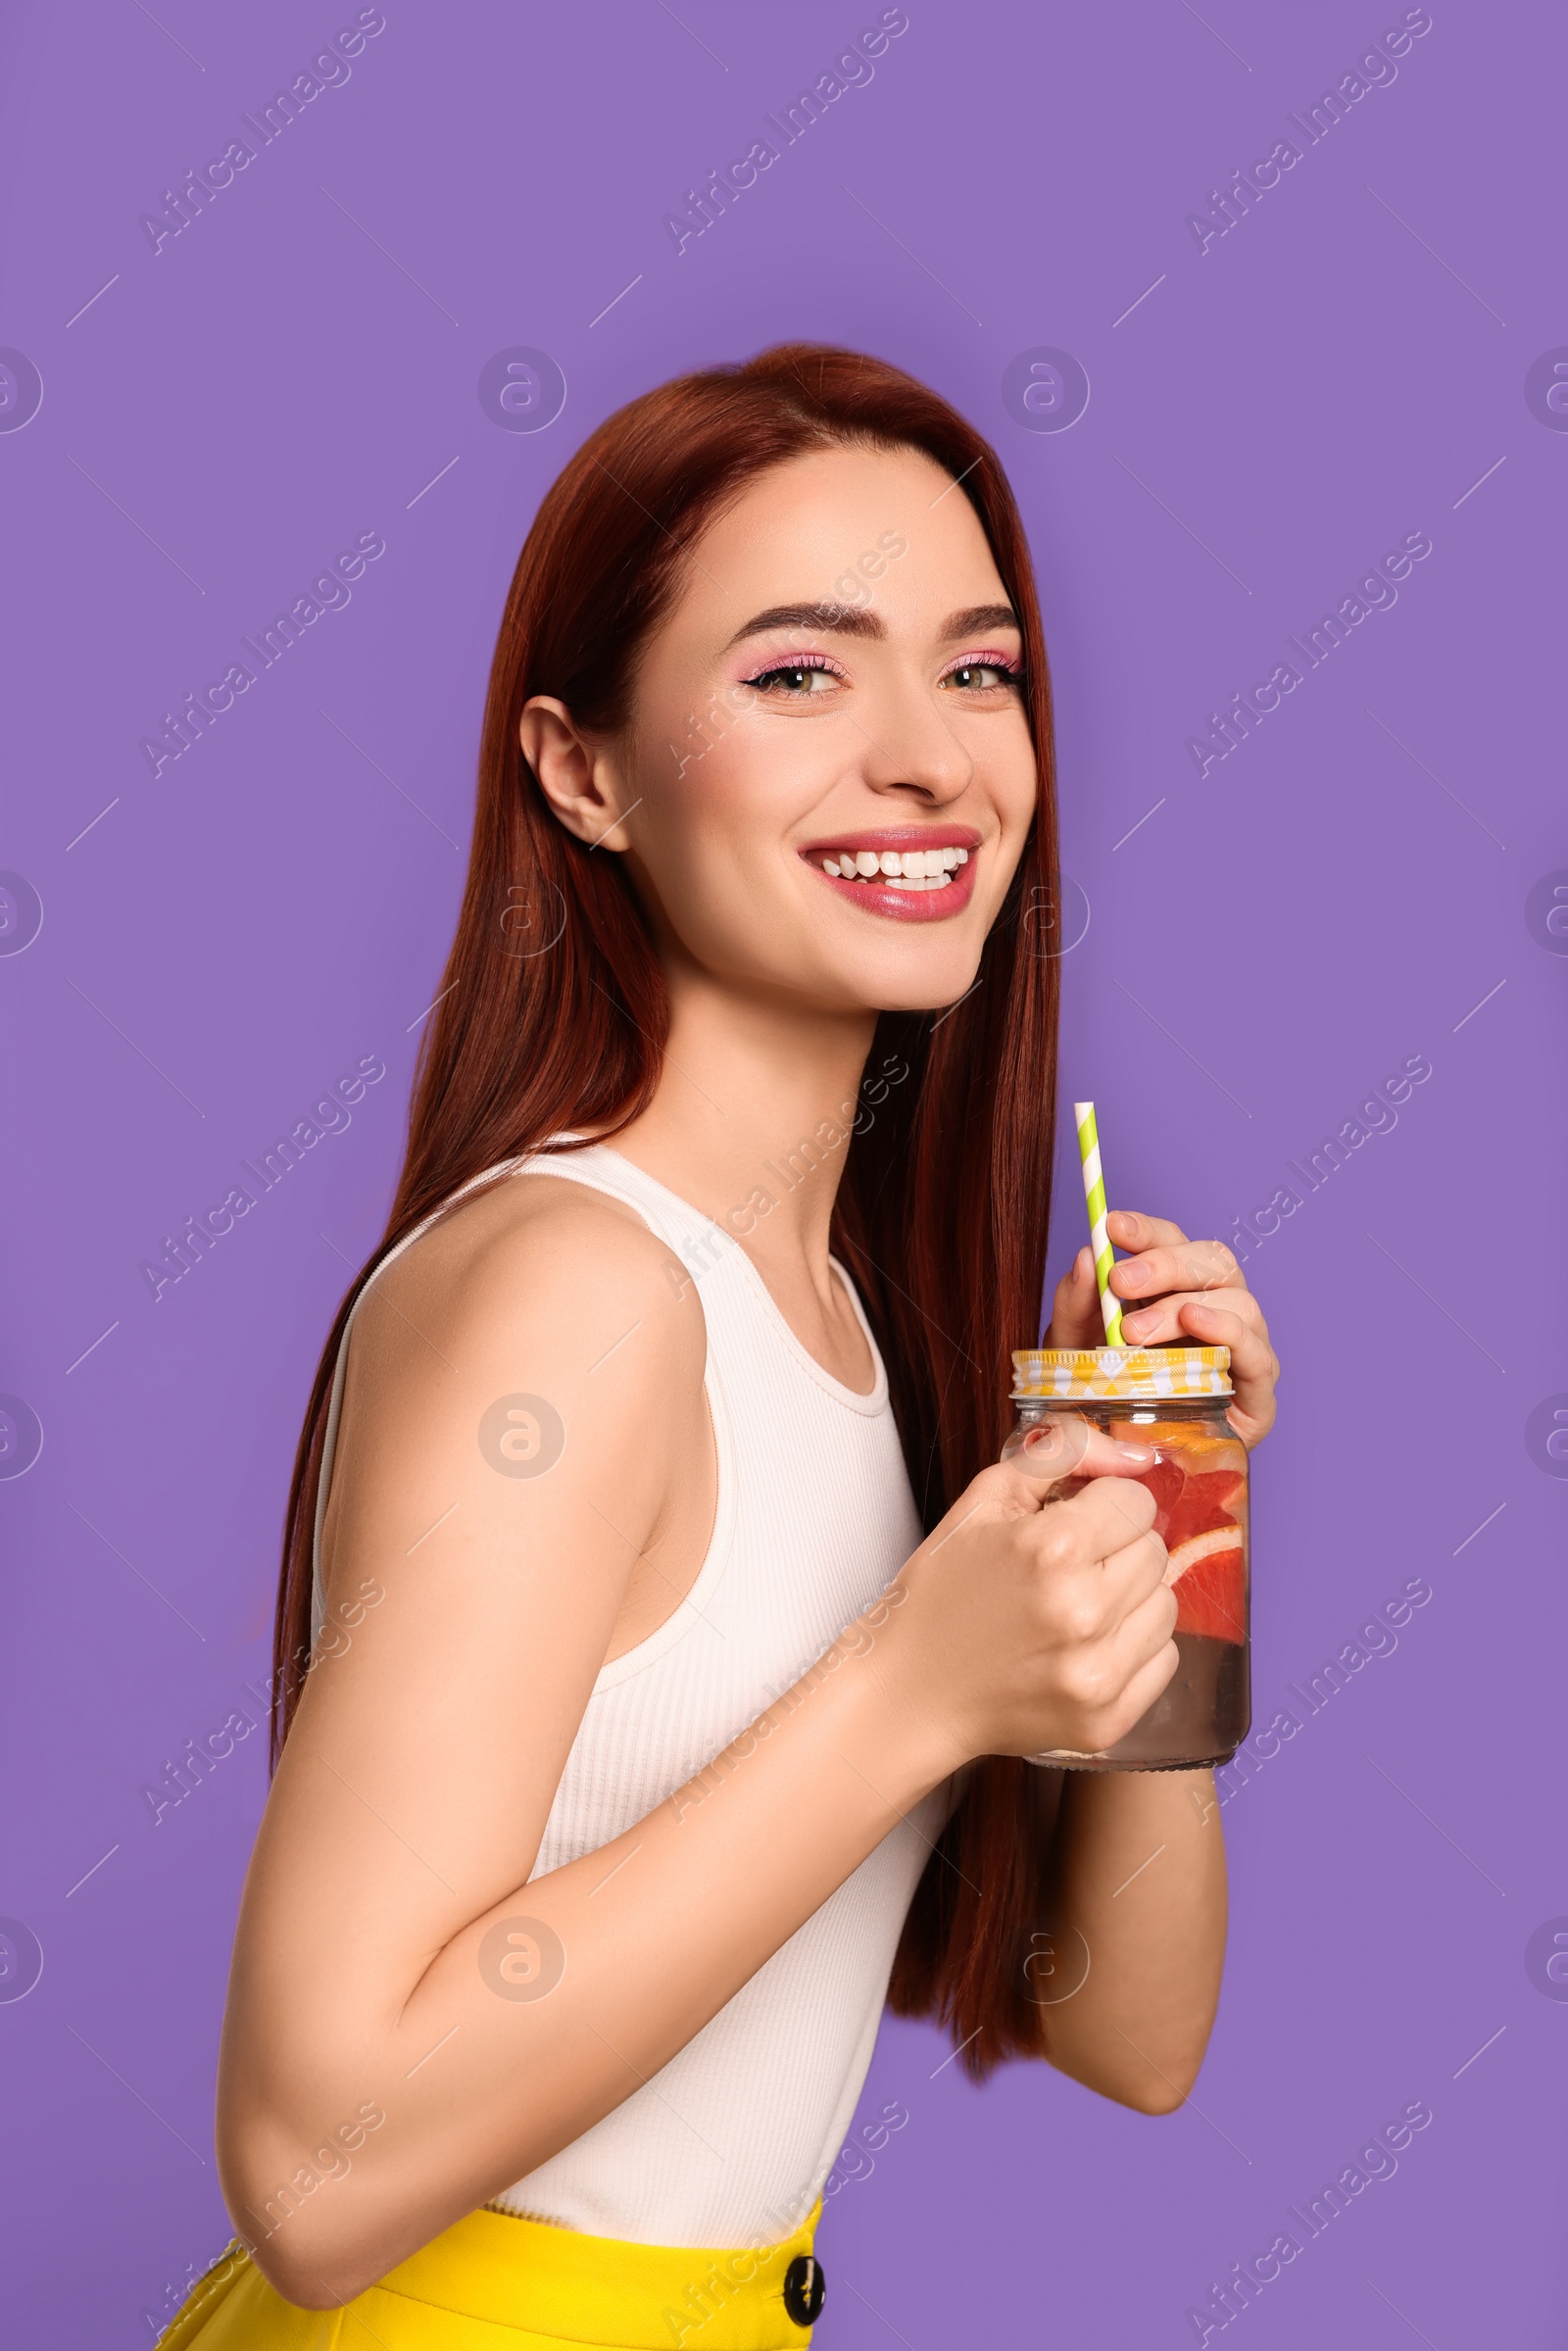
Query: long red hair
552,1016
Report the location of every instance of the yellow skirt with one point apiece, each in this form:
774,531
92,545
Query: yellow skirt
494,2283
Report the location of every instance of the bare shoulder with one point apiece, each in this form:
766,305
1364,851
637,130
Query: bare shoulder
522,1418
539,1331
545,1262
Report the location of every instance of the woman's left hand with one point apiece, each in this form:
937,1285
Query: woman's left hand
1175,1291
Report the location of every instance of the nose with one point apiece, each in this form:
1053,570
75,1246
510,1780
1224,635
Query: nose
910,749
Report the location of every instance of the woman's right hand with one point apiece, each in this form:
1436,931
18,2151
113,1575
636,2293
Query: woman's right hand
1037,1615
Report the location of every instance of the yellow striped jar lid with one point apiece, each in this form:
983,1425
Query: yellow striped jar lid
1129,1371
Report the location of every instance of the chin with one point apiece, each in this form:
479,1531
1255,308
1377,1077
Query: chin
924,981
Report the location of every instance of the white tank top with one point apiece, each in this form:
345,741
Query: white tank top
731,2143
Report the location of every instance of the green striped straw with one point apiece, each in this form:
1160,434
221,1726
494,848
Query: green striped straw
1099,1237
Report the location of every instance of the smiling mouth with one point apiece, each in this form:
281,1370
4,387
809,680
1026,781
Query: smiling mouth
894,868
902,873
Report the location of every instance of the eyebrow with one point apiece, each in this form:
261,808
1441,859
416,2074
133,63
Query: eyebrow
854,621
977,619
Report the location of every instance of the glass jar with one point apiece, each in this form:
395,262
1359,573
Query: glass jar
1172,1399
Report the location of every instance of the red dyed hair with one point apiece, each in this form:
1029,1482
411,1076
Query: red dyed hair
942,1208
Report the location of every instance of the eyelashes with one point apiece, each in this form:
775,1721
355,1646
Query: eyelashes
790,668
1009,669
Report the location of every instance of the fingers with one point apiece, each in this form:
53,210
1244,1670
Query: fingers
1131,1231
1094,1527
1065,1445
1165,1262
1108,1509
1252,1359
1182,1265
1143,1649
1115,1624
1131,1577
1228,1318
1075,1316
1155,1324
1196,1291
1254,1366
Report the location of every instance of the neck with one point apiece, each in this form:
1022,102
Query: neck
752,1117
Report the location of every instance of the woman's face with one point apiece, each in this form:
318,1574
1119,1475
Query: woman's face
836,690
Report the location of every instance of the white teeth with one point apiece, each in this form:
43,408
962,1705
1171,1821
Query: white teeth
913,868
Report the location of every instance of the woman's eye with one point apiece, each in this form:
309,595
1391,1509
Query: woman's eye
795,678
981,676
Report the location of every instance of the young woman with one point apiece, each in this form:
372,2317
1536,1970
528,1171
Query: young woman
659,1638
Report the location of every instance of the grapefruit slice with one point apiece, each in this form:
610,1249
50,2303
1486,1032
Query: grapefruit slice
1205,1502
1165,1480
1208,1574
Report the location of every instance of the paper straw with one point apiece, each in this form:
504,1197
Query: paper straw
1099,1237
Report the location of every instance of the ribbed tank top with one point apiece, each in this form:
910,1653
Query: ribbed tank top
730,2142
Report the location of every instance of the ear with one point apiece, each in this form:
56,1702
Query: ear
577,773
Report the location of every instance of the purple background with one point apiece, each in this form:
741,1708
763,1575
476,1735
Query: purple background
1266,418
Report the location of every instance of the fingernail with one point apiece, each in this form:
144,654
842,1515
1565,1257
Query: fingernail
1137,1324
1133,1277
1143,1454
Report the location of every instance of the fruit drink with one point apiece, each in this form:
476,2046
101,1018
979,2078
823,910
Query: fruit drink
1172,1399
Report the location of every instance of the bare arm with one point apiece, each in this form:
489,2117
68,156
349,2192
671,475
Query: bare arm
477,2085
1135,1937
1138,1860
389,1923
414,1785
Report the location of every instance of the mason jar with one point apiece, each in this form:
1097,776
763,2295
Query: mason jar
1172,1399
